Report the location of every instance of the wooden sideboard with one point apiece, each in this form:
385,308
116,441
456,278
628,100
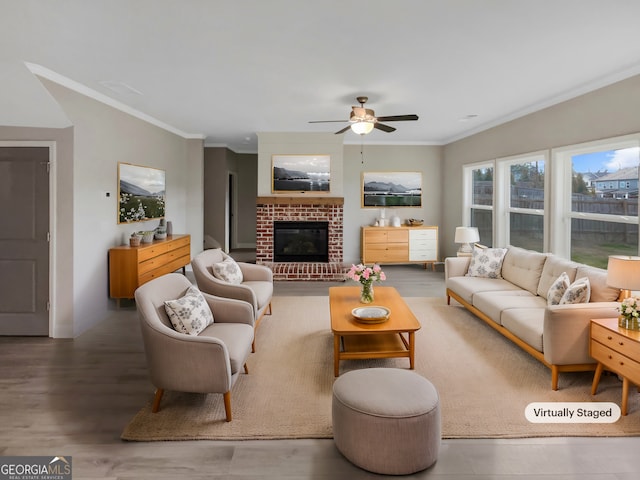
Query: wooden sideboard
130,267
400,244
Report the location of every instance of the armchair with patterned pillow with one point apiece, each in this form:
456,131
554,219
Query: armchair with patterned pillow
193,342
219,274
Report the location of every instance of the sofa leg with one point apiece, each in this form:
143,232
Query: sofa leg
554,377
448,300
269,309
156,400
227,405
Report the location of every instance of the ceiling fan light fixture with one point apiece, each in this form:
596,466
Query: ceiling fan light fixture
362,128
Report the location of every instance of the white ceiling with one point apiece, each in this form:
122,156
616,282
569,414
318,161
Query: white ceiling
227,69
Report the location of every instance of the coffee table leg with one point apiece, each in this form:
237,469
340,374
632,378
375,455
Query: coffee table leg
336,355
412,350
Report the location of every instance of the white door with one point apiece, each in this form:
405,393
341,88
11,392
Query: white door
24,243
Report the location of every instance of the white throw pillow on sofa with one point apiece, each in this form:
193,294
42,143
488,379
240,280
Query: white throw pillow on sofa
578,292
558,289
228,271
486,262
190,314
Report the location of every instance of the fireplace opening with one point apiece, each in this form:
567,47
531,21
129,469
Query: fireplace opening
300,241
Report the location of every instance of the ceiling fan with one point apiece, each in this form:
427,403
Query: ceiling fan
363,120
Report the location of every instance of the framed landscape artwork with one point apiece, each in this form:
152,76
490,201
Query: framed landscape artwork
141,193
300,173
391,189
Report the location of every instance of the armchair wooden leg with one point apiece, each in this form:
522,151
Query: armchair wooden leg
246,369
269,309
227,405
156,400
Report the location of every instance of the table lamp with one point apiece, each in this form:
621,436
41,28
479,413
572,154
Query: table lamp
623,272
465,236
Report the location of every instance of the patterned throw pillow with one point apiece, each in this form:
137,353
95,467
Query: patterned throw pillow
228,270
486,262
190,314
557,289
578,292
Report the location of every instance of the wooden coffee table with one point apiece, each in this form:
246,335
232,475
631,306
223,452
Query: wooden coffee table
355,340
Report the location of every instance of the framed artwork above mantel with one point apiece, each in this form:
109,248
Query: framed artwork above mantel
300,173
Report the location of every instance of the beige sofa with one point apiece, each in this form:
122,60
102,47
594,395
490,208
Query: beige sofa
516,306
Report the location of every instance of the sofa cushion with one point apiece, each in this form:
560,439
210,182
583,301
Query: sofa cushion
493,304
600,291
189,314
557,289
552,269
465,287
523,268
486,262
527,324
578,292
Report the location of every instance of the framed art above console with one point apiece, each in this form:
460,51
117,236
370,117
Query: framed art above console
391,189
141,193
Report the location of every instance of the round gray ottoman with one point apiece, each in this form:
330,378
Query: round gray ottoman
386,420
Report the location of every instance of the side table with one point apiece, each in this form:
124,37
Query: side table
618,350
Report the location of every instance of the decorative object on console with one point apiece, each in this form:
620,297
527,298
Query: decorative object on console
465,236
624,272
134,240
366,276
141,193
147,236
161,231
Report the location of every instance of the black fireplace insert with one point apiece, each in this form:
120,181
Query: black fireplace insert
300,241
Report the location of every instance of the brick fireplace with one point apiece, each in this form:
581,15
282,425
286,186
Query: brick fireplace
301,209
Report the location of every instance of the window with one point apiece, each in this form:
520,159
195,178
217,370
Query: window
601,208
479,200
522,201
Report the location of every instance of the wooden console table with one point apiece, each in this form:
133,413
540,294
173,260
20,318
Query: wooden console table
618,350
130,267
404,244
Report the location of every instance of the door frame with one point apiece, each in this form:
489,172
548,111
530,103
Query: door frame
51,145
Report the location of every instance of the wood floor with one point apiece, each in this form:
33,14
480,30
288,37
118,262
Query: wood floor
74,397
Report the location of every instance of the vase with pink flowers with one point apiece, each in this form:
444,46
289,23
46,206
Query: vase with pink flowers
366,276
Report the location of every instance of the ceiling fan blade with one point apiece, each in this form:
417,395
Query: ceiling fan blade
327,121
343,130
397,118
383,127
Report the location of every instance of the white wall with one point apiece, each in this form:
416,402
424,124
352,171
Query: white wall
104,136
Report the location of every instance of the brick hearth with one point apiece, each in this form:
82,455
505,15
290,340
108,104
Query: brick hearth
299,209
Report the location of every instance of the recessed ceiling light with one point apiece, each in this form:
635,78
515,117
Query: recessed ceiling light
120,87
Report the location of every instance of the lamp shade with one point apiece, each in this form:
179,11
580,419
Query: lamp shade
362,128
623,272
466,235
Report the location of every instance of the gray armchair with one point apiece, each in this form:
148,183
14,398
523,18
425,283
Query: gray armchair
207,363
255,289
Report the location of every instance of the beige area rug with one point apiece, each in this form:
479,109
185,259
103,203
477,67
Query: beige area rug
484,382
